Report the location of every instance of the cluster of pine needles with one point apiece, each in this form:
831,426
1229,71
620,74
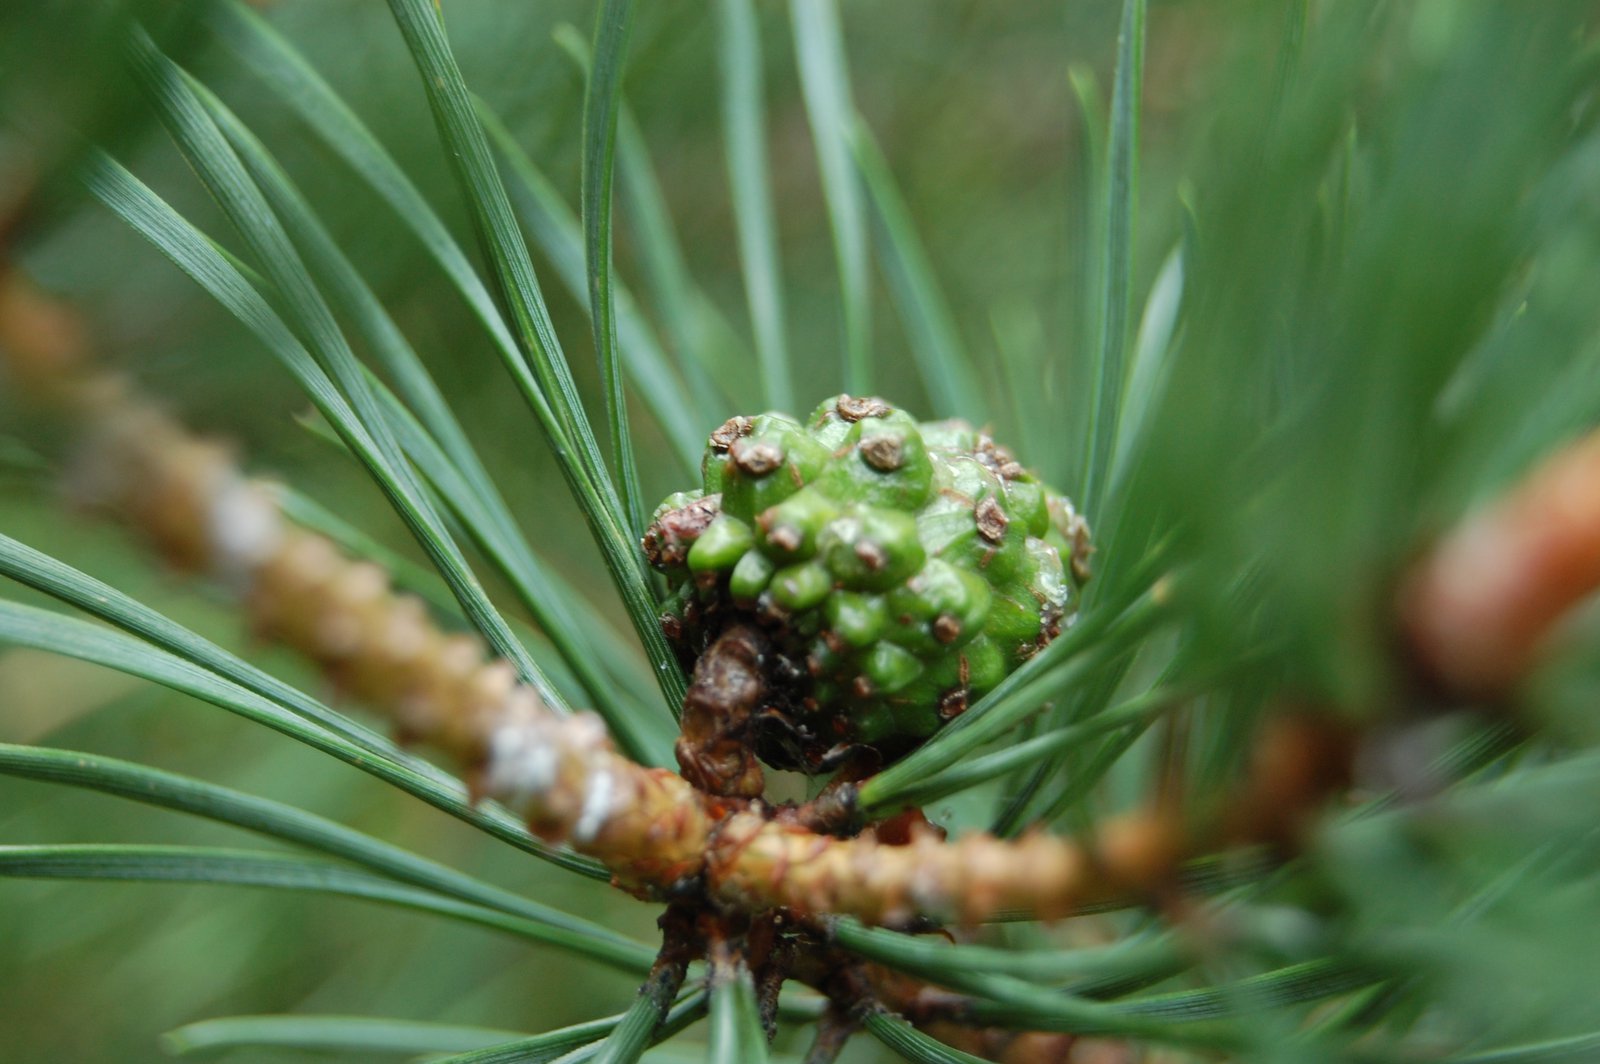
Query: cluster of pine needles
1321,733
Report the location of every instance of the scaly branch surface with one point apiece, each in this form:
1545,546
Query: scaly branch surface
1475,613
658,833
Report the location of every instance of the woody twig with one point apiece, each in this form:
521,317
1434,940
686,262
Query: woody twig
655,830
1481,606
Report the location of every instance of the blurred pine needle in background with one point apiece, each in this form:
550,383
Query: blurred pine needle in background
1283,296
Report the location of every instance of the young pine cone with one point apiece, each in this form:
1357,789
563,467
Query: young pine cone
900,569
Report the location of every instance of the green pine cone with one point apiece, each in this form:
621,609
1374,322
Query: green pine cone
901,569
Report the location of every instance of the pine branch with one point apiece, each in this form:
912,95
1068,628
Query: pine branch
652,828
1480,607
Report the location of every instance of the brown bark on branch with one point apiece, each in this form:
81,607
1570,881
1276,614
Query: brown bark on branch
658,832
1480,605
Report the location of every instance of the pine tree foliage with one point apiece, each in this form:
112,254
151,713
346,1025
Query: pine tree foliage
1298,321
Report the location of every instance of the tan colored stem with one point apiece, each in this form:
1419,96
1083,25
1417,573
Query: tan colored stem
657,832
1479,607
760,863
653,828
